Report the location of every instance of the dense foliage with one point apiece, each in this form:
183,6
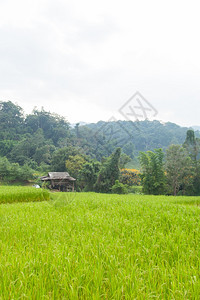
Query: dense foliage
130,177
41,142
180,174
179,169
42,138
119,188
13,172
109,173
153,177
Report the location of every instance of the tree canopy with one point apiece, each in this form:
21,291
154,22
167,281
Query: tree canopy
94,153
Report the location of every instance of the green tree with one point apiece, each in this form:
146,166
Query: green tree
74,164
6,147
109,173
192,146
129,149
59,157
26,148
153,177
196,179
11,120
179,169
4,168
53,126
25,173
43,154
88,175
124,159
10,172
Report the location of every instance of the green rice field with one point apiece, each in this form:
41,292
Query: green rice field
96,246
13,194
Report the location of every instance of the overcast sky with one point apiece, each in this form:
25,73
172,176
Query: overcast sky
85,59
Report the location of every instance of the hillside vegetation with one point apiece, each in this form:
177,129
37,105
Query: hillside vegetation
38,139
99,156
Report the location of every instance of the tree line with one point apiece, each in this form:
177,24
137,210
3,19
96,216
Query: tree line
34,144
175,173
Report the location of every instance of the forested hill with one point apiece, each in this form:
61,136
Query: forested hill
43,139
140,136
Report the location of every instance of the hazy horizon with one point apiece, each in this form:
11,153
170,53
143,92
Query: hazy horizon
85,122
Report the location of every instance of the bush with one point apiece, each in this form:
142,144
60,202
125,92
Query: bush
130,177
135,190
11,172
119,188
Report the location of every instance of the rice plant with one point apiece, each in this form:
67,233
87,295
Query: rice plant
12,194
97,246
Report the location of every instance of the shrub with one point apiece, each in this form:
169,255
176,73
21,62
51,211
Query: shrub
135,190
130,177
119,188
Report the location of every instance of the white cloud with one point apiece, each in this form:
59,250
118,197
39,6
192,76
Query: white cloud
87,58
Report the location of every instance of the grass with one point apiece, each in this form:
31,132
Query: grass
13,194
94,246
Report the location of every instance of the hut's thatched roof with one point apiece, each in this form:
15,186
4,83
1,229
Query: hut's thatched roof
57,176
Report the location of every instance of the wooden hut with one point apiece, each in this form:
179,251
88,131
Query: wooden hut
61,181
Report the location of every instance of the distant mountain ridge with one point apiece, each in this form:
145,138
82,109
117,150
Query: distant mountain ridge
132,137
196,127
